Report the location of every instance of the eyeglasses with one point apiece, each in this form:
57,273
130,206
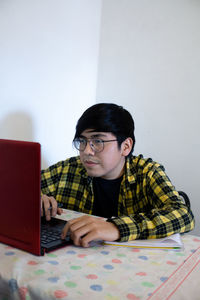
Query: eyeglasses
96,145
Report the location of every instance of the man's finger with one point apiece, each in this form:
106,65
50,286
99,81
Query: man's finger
65,231
84,241
53,206
59,211
49,207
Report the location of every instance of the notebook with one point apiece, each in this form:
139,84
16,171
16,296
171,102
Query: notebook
20,203
171,242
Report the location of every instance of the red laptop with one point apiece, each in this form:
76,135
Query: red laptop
20,212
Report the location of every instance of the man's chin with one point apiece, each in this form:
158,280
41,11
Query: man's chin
93,173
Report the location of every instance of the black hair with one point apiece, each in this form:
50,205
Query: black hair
107,117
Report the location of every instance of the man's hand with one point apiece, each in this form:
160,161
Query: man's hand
49,207
85,229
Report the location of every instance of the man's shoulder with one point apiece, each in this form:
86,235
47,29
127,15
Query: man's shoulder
73,162
65,165
139,163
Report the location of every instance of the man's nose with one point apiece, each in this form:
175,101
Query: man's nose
88,149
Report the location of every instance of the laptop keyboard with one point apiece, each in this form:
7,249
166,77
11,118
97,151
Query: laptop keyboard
51,231
51,235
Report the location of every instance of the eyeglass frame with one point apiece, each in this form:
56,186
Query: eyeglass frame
90,141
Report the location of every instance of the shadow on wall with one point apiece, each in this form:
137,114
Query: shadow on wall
18,126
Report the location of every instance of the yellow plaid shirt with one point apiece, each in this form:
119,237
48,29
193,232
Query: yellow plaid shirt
148,204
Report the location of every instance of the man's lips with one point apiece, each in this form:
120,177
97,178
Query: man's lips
90,162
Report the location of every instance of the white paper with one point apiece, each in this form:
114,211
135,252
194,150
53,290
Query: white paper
172,241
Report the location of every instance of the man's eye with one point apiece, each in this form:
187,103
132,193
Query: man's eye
81,141
96,141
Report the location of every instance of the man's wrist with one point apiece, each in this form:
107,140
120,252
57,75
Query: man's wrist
127,227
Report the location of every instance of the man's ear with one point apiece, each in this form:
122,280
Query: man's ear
127,146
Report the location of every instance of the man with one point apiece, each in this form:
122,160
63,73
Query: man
133,195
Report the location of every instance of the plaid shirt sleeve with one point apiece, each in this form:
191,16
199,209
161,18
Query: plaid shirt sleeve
50,179
165,213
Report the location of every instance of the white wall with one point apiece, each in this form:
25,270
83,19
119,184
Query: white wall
150,63
48,69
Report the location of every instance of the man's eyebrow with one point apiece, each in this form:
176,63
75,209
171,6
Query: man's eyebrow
98,135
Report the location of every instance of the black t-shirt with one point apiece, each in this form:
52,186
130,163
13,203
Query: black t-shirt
106,195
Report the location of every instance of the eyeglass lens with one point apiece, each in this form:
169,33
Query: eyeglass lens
95,144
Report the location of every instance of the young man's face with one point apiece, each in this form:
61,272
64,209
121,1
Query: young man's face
109,163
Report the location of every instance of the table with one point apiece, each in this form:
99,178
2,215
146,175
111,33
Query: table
102,272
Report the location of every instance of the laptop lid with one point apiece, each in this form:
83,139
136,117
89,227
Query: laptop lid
20,195
20,201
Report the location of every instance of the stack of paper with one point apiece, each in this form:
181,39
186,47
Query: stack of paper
171,242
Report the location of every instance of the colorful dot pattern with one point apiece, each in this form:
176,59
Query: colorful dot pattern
99,272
